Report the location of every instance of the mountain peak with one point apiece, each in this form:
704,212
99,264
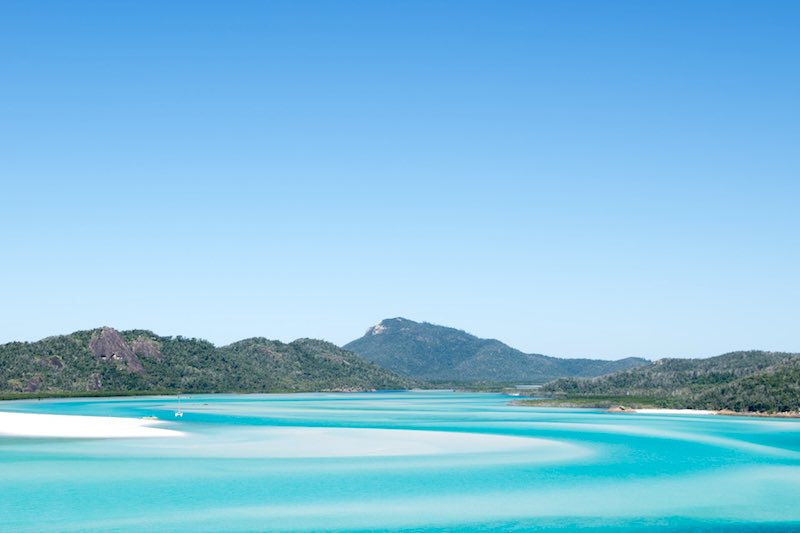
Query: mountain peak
429,351
388,323
377,329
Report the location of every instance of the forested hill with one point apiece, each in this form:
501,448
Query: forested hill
740,381
438,353
105,360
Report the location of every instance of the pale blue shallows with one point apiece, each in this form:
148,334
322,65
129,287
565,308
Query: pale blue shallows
325,462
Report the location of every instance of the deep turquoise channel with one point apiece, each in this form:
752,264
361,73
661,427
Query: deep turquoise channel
405,461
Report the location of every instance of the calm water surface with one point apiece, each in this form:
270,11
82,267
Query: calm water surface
410,461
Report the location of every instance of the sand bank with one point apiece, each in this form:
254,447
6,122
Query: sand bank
368,442
674,412
326,442
81,427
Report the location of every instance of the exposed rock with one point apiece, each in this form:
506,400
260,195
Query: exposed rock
146,347
109,345
621,409
34,384
56,362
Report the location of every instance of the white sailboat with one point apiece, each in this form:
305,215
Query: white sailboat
179,412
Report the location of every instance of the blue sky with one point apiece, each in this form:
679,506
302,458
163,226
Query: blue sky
574,178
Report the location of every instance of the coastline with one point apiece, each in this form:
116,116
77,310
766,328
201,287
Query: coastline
623,409
786,414
14,424
657,411
65,395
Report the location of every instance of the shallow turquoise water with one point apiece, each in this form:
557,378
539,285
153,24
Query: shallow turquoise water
409,461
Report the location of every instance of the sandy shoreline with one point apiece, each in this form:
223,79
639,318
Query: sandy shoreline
565,404
722,412
81,427
655,411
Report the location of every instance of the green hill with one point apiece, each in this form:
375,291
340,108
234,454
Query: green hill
105,360
740,381
776,388
437,353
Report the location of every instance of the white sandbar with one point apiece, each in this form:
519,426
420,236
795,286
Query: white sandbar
358,442
81,427
675,412
310,442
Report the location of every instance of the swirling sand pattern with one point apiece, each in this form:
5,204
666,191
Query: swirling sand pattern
398,461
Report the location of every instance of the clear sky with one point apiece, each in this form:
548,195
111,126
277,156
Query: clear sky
574,178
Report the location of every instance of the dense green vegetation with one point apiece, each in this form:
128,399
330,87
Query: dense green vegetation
107,362
604,402
774,389
104,361
307,364
752,381
452,357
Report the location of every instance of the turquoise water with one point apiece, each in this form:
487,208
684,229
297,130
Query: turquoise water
408,461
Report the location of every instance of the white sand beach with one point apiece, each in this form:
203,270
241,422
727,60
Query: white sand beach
674,412
81,427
